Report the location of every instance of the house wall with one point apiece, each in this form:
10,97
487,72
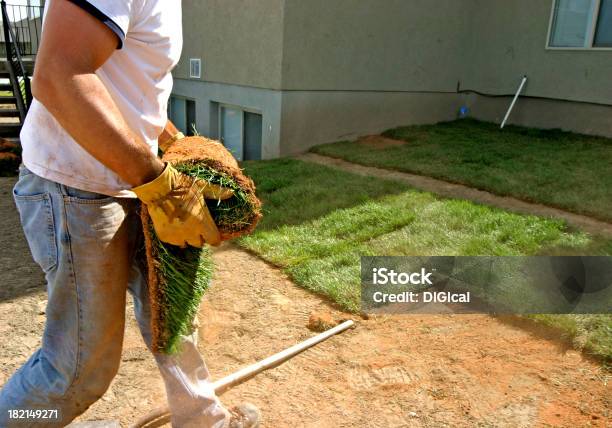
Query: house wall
315,117
356,67
322,71
374,45
240,42
508,40
208,96
567,89
593,119
240,45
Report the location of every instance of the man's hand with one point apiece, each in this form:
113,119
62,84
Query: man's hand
74,45
177,207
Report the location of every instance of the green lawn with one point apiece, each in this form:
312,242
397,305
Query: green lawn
318,221
556,168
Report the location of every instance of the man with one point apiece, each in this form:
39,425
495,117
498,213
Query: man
101,86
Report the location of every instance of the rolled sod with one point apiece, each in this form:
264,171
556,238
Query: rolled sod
178,277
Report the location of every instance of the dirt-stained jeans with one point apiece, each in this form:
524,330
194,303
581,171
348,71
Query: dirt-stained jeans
88,246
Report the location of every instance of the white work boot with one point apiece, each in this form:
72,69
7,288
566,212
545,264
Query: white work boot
245,415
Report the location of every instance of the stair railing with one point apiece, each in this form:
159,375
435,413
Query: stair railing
19,77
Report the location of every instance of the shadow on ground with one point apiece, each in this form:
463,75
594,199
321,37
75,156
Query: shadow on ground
19,276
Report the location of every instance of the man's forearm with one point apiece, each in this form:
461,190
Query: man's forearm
170,131
85,109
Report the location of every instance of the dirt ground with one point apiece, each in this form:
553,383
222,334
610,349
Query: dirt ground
390,371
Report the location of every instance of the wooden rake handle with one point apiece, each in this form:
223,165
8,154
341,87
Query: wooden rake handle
161,416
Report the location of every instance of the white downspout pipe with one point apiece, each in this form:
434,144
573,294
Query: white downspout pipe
520,89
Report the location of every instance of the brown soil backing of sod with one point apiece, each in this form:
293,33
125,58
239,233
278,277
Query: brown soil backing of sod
156,297
215,156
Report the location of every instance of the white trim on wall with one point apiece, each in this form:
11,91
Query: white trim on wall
592,27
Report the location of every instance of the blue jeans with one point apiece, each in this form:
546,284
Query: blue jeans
89,247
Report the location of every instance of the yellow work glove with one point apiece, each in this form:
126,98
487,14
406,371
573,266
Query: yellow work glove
177,207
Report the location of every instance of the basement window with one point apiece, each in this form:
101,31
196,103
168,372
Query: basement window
603,34
581,24
240,131
195,68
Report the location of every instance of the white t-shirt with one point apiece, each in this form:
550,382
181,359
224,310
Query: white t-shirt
137,75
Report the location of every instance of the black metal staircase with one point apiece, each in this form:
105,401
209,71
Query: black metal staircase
21,31
10,115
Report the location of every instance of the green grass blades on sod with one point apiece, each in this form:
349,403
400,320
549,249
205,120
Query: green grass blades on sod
230,215
296,192
552,167
184,274
590,332
318,221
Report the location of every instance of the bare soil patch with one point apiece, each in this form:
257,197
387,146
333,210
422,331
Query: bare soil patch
379,142
390,371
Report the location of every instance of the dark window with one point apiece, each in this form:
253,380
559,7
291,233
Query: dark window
252,136
603,34
182,113
191,117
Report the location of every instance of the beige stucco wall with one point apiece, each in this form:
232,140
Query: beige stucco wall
593,119
240,42
316,117
389,45
508,40
375,45
357,67
344,68
431,45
